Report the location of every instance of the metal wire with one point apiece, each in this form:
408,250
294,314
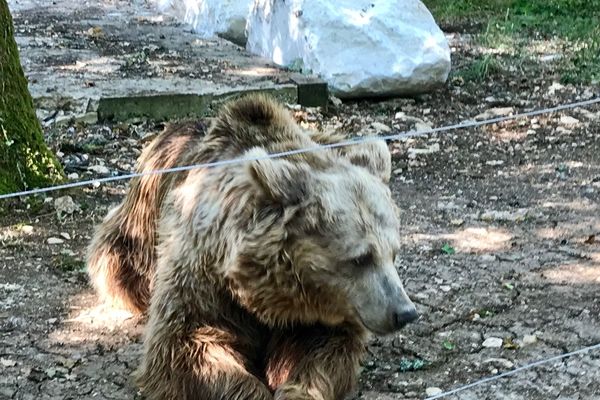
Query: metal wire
514,371
354,141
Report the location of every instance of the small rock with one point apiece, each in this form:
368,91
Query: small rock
568,120
65,235
54,240
495,112
555,87
432,391
529,340
99,169
450,205
506,216
445,288
503,362
494,163
27,229
422,126
6,362
492,342
379,127
457,222
488,258
65,206
51,321
73,176
434,148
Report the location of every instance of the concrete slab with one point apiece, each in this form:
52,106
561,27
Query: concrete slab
121,60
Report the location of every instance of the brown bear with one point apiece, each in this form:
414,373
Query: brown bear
261,278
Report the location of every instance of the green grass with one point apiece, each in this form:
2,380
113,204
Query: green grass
480,69
569,27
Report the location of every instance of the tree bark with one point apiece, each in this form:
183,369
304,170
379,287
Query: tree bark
25,160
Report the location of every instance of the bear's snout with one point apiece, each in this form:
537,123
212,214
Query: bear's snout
404,317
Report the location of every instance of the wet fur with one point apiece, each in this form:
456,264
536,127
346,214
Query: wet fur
214,256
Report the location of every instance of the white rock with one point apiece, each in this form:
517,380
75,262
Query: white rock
507,216
457,222
210,18
358,47
422,127
73,176
54,240
432,391
27,229
65,235
99,169
379,127
487,258
529,340
434,148
492,342
495,112
507,364
494,163
568,120
65,205
7,362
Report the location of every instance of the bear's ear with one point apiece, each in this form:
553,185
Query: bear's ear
281,181
373,155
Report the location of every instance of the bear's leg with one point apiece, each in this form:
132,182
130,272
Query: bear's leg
202,366
314,363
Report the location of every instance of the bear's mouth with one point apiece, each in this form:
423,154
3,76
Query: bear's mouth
370,328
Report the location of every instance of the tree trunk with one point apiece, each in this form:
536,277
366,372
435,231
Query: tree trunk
25,160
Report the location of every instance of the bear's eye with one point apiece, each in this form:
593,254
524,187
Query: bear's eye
363,260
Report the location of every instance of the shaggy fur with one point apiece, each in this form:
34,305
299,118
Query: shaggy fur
261,279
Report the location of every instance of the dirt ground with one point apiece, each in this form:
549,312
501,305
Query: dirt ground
501,250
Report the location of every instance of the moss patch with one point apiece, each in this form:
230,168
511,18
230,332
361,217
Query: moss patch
25,160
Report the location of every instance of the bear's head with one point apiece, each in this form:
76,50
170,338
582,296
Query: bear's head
323,241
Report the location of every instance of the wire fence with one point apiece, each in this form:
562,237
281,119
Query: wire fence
515,371
350,142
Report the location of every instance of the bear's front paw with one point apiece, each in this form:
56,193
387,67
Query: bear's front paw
291,391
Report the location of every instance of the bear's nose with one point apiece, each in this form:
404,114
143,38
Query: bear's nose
404,317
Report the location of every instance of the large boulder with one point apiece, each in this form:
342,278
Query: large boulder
210,18
359,47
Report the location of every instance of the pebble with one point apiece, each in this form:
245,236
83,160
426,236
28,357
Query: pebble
529,339
54,240
65,205
65,235
73,176
507,364
508,216
488,258
422,126
495,112
568,120
379,127
457,222
433,391
27,229
99,169
7,362
434,148
492,342
494,163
